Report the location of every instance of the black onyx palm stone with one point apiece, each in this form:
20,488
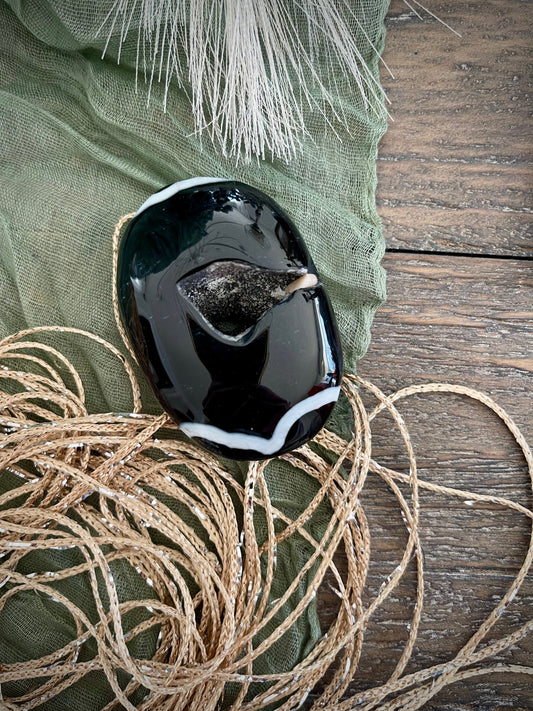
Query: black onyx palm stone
228,318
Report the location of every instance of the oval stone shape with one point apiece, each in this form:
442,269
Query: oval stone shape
228,318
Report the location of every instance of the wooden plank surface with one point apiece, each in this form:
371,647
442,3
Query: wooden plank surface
454,192
464,320
455,167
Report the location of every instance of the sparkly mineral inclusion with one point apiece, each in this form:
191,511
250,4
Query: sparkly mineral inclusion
228,318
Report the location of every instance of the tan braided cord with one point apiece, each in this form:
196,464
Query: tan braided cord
87,482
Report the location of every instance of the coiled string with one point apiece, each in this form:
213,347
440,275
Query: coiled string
129,488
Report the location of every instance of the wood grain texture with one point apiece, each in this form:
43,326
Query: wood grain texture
464,320
454,193
455,167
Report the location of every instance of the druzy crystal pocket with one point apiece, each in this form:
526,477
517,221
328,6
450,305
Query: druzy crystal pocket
228,318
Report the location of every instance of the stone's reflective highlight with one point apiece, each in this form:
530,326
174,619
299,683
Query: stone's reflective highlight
209,283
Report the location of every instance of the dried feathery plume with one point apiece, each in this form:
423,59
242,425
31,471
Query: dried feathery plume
251,66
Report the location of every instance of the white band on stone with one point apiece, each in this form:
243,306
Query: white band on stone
239,440
176,188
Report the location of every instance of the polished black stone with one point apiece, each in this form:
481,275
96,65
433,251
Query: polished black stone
248,363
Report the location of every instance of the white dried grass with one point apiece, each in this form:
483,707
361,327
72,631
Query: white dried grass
250,66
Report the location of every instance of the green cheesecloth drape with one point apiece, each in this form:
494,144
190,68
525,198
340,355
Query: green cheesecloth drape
79,147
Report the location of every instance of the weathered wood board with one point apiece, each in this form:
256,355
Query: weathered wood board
455,167
468,321
454,192
464,320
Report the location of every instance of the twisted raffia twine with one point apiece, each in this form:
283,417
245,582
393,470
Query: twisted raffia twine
116,457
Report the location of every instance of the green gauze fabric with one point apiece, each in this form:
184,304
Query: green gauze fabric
79,147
